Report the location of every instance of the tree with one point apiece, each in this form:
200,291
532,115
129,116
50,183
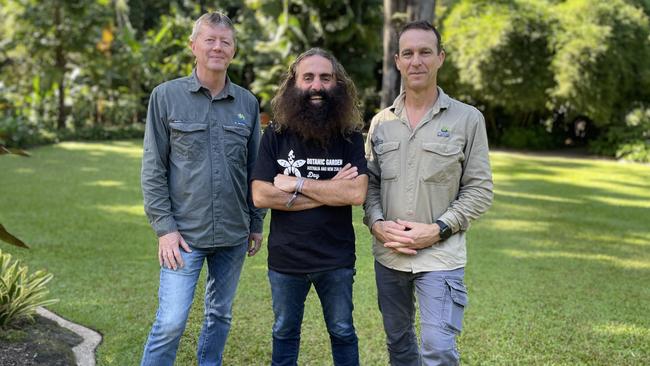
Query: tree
499,57
50,35
396,14
534,67
284,29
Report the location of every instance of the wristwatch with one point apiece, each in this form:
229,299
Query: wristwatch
445,231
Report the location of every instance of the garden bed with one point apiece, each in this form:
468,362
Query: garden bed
39,343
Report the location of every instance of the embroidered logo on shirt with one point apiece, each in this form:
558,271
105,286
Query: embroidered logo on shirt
444,132
240,120
291,166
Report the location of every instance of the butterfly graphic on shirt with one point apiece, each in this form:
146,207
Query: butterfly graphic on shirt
291,165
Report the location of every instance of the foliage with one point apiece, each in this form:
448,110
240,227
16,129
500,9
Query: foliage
98,133
528,65
20,293
7,237
629,142
17,131
533,63
501,53
93,65
534,138
349,29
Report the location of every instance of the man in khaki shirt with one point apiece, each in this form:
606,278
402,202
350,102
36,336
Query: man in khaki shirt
429,178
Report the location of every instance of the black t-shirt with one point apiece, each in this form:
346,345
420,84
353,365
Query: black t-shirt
317,239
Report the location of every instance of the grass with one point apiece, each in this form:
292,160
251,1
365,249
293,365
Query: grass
558,269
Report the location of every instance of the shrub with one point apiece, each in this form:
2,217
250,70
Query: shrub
18,132
101,133
20,293
629,142
638,151
535,138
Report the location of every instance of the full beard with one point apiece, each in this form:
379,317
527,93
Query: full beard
318,123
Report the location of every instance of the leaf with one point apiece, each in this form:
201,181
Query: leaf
7,237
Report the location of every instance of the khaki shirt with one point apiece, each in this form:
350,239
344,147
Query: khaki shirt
438,171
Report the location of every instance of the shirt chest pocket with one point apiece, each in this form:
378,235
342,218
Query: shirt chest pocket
388,158
235,142
441,163
189,140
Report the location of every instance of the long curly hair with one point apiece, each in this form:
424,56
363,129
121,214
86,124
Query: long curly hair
346,115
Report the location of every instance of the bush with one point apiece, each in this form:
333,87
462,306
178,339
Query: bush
535,138
20,293
102,133
18,132
629,142
635,151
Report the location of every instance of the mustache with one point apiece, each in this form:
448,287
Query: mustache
306,96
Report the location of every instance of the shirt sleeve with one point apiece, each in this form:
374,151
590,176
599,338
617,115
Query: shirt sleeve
476,188
155,167
256,214
265,169
357,156
372,207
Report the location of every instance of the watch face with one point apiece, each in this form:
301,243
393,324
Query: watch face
445,233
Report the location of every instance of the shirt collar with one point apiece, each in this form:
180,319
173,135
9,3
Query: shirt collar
195,86
442,103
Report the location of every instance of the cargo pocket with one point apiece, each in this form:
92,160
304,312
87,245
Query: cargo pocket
457,302
388,158
188,140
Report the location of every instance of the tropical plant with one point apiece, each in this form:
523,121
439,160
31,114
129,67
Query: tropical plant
20,293
4,234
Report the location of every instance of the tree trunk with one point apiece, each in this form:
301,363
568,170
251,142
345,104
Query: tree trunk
60,66
414,10
390,75
421,10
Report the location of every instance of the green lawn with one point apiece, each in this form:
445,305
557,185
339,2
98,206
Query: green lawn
558,274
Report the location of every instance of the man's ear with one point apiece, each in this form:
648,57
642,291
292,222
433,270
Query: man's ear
442,56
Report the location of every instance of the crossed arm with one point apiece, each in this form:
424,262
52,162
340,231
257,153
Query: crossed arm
347,187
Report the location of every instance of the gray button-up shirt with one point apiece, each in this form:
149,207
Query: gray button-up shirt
198,154
438,171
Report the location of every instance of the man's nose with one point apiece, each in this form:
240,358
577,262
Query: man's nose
316,85
416,60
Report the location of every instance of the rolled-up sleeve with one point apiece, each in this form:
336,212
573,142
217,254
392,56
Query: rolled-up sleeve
256,214
155,167
476,187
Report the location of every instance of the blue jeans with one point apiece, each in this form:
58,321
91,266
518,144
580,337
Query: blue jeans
442,298
175,298
334,289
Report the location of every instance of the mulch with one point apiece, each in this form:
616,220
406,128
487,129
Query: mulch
39,343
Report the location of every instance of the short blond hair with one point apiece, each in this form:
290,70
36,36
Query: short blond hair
215,19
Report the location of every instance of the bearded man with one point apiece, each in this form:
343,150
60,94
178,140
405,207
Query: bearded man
311,168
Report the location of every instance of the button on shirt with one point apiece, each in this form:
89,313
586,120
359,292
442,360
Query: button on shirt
438,171
198,154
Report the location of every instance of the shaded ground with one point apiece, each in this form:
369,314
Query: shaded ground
41,343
